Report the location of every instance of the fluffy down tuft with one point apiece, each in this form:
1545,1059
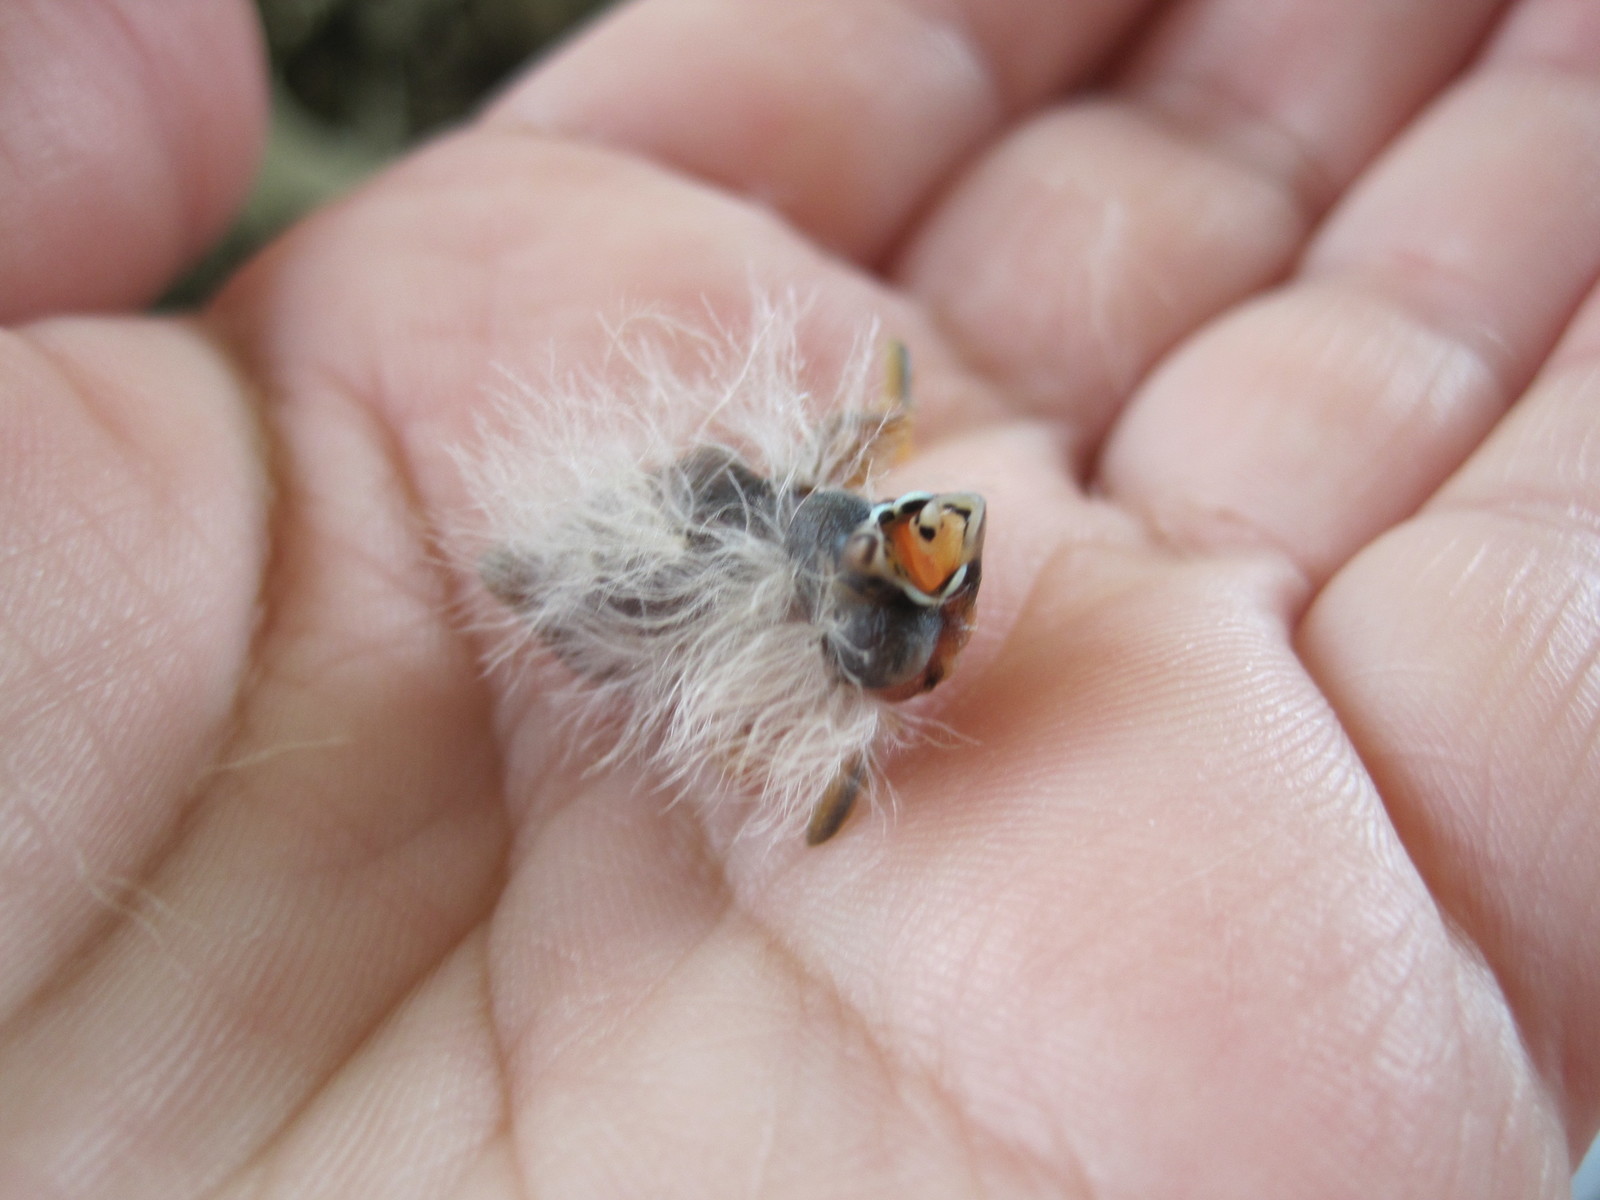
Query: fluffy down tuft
679,633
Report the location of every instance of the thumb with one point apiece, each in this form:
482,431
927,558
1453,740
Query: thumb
128,134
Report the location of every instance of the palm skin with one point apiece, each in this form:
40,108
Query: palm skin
1263,866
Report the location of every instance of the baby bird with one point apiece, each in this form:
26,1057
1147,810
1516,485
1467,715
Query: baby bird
735,608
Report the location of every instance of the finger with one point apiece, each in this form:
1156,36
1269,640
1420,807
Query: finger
129,133
1318,417
131,565
1462,651
342,840
1083,246
841,114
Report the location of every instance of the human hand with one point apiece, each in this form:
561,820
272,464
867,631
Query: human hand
1265,864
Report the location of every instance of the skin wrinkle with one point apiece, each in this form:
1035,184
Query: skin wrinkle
1450,379
442,578
388,847
275,751
898,1064
1525,1084
79,382
1231,131
1573,615
1469,1133
79,959
1452,916
1468,959
481,244
1165,524
118,900
315,1085
1458,361
12,554
289,492
803,979
1473,343
978,66
1455,912
1534,511
1443,279
1390,994
638,999
263,1164
1549,843
952,37
515,1047
1528,1080
73,378
1586,679
504,1128
76,692
1124,366
1517,670
1312,179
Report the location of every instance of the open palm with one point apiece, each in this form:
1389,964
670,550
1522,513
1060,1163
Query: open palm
1263,865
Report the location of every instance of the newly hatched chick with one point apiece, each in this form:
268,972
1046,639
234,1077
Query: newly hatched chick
695,551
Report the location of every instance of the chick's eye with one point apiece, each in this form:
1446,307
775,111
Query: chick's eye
861,553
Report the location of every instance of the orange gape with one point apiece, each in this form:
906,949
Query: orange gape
929,556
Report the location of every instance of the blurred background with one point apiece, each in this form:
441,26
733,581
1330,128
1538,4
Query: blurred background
357,81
